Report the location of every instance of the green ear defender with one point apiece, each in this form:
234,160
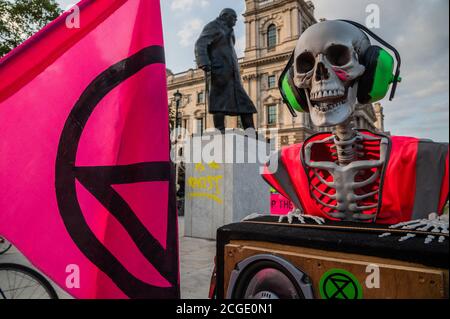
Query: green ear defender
294,97
373,85
376,80
379,75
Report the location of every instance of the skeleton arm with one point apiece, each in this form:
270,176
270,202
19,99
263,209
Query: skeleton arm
434,224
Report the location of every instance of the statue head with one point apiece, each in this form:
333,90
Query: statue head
229,16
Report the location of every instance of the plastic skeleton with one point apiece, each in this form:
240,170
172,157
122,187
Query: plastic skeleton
331,78
344,173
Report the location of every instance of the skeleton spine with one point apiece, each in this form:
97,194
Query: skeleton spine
345,139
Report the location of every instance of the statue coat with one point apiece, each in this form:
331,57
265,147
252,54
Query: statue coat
215,47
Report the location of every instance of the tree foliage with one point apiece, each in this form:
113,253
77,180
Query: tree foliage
20,19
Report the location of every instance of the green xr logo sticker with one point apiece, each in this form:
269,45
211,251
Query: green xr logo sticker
340,284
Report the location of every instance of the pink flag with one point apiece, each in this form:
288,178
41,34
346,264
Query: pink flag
85,173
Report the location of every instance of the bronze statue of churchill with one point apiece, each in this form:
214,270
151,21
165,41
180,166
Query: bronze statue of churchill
215,53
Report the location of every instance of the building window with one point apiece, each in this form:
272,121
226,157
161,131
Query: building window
239,123
271,115
272,142
272,36
199,125
201,98
272,81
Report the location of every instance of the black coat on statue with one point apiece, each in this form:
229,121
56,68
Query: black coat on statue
215,48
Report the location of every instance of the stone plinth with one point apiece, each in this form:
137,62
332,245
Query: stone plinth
223,181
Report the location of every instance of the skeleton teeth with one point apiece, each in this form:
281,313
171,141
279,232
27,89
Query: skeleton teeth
331,93
325,107
327,93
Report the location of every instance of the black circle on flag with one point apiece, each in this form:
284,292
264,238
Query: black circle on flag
99,180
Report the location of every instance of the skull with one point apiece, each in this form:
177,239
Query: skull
327,66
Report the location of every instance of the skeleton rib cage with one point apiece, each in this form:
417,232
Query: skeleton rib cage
351,191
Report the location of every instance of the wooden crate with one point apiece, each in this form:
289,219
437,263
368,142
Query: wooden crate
398,279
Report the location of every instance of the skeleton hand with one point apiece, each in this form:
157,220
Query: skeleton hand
252,216
434,224
297,213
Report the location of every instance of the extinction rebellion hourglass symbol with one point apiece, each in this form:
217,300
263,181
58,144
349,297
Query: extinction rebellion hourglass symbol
99,180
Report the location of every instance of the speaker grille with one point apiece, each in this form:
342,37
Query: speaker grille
268,277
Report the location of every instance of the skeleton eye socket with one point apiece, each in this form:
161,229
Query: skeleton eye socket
305,62
339,55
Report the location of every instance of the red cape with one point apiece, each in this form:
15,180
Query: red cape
414,182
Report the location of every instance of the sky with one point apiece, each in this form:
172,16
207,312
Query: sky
417,28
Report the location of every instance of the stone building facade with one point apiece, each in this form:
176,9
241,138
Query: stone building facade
272,30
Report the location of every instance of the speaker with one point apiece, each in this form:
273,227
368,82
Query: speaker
264,259
264,276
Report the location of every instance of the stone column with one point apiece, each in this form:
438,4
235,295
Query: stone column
296,21
288,23
248,35
253,32
257,38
